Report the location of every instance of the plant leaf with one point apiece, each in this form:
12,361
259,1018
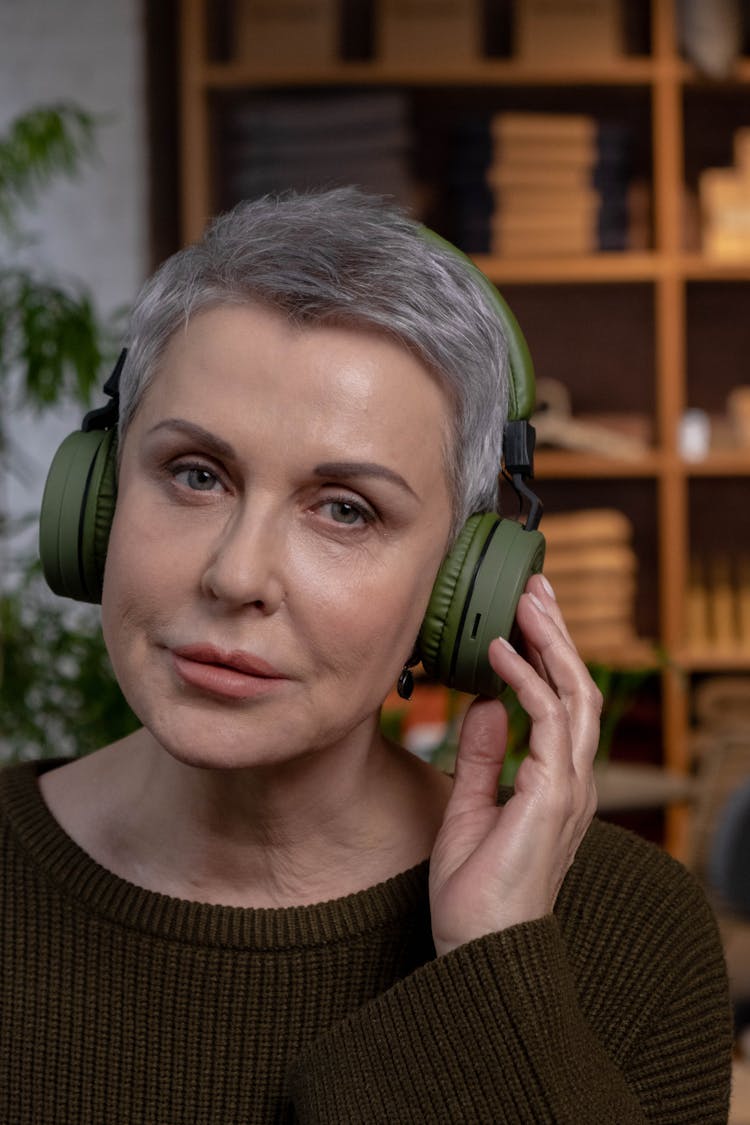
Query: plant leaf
38,146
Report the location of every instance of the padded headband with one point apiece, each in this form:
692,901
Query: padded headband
521,385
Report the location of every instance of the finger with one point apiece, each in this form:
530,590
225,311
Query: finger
550,742
545,593
566,674
542,588
546,638
484,735
537,663
548,776
553,768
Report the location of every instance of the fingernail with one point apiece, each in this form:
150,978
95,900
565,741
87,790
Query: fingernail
538,604
548,588
506,644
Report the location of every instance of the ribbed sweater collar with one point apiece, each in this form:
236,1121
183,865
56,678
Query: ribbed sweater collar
60,860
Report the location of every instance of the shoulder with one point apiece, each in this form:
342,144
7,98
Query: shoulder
617,867
619,879
16,780
19,780
636,923
25,821
622,881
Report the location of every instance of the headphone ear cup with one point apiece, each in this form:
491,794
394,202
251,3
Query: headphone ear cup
474,599
76,515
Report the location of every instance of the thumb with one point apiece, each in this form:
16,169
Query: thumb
481,749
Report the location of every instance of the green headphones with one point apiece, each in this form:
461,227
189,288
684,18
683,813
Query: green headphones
477,589
478,586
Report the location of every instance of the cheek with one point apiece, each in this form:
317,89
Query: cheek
141,570
370,615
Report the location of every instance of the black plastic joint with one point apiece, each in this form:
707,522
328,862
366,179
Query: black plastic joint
519,439
105,417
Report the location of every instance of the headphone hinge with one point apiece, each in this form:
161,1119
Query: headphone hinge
105,417
519,440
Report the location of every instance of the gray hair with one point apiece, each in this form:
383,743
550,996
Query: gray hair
344,257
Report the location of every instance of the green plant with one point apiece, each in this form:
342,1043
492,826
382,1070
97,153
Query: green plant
57,692
51,342
58,696
618,687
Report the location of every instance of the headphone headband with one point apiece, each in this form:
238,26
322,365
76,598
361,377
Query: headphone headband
521,382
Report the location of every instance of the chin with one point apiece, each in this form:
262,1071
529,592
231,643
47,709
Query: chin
210,744
212,751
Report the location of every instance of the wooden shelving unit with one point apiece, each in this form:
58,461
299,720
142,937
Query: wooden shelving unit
667,270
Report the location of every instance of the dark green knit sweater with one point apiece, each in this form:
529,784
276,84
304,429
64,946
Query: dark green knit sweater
120,1006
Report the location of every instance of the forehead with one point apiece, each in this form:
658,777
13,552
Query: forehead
249,364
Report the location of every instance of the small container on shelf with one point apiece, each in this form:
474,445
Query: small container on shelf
695,434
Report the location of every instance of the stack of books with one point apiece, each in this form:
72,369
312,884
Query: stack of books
593,568
559,183
542,179
469,198
279,142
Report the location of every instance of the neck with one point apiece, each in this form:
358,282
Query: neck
318,827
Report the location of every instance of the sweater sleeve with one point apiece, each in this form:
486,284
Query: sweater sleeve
539,1023
492,1032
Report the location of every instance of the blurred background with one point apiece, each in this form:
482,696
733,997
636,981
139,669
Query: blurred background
593,158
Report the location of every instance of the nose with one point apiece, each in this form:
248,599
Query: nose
245,565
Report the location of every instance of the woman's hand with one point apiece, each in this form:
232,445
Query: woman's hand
493,867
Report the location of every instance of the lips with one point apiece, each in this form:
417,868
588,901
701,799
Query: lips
233,675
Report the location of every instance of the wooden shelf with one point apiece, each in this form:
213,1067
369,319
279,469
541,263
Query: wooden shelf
620,787
237,75
637,655
730,463
630,70
644,266
658,83
695,267
594,268
713,659
571,466
689,75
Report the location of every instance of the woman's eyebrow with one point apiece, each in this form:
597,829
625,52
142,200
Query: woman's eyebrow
336,470
340,470
211,442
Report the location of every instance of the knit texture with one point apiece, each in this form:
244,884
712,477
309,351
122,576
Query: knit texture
119,1006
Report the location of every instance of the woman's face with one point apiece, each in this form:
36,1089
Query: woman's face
282,512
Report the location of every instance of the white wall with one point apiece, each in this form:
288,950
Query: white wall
95,227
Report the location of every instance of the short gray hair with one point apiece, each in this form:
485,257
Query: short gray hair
344,257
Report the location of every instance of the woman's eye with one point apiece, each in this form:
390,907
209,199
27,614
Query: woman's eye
197,478
347,513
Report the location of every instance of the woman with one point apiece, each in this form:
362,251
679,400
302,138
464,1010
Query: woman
256,908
